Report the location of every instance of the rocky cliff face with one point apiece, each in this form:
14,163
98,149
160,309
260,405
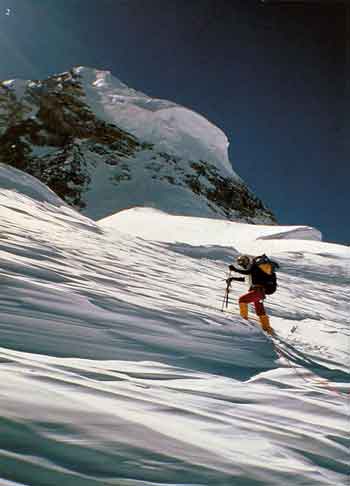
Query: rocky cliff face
103,147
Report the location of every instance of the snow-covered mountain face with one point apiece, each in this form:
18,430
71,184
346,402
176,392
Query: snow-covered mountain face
103,147
117,366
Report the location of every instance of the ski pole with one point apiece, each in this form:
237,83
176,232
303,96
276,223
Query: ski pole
227,291
223,302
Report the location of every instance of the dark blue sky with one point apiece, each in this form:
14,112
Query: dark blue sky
274,76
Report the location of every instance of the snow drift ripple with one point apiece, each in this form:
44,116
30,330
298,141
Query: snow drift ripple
117,368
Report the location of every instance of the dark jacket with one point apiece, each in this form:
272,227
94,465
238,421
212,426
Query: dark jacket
258,278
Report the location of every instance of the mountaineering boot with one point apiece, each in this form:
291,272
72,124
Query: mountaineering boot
243,310
265,323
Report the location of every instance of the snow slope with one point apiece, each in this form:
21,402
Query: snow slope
157,225
118,368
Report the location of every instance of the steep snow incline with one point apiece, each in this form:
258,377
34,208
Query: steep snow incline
173,128
118,368
24,184
315,261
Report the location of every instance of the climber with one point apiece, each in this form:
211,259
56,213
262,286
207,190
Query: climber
261,272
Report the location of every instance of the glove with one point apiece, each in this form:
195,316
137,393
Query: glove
231,268
229,280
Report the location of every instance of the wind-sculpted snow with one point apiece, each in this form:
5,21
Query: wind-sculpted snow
118,368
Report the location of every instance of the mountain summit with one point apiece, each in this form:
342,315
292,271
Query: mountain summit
104,147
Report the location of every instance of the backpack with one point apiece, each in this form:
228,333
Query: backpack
270,283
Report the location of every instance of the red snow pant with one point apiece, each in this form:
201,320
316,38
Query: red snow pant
256,296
